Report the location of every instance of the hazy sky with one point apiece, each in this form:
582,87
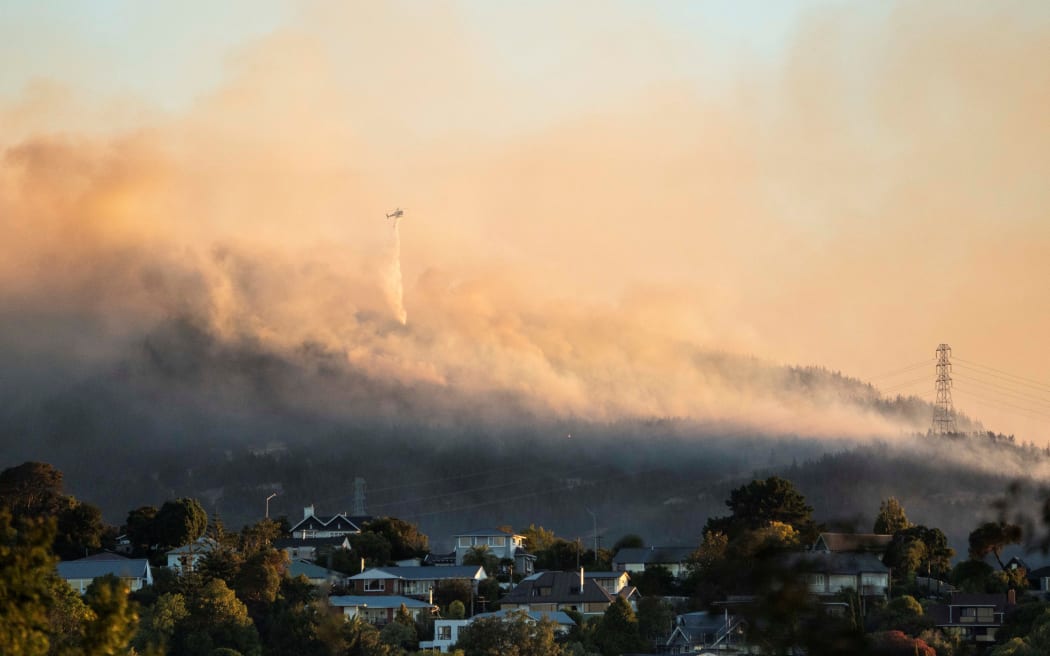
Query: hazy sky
830,183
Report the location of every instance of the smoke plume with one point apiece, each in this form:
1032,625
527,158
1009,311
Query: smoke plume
395,287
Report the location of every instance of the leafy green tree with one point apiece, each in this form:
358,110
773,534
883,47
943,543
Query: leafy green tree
80,529
141,529
180,522
991,537
26,567
480,555
216,618
904,613
448,592
891,518
405,539
158,623
537,538
259,578
32,489
513,635
359,638
67,616
375,548
457,610
489,594
259,536
759,503
618,632
114,618
919,550
655,619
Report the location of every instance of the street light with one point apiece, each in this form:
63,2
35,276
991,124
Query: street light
268,504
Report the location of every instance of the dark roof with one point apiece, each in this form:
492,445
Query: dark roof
87,568
564,588
999,600
331,523
311,571
420,573
653,555
831,562
376,601
105,555
486,532
940,614
864,542
286,543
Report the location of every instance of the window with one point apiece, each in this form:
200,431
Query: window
444,633
545,592
816,582
497,541
375,585
465,541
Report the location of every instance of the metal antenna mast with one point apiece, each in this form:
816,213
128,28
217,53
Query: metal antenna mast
359,496
943,411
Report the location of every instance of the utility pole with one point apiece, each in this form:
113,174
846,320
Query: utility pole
943,410
268,504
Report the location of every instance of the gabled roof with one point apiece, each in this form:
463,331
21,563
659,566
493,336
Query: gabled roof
558,616
422,573
376,601
201,545
311,571
329,523
653,555
87,568
564,587
862,542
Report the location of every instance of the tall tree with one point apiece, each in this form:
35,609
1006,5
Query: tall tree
406,541
513,635
141,529
991,538
26,566
32,489
180,522
114,618
618,631
80,529
891,518
760,503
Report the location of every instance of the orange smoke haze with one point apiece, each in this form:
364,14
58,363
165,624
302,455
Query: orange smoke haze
881,189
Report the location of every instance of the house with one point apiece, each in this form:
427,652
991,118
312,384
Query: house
611,582
636,560
446,635
186,557
875,543
703,632
379,609
974,616
135,572
554,591
317,575
317,526
830,573
501,544
446,632
311,548
416,582
1039,580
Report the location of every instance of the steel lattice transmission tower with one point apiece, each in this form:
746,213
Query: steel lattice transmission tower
943,411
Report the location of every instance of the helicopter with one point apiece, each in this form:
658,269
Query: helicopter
396,214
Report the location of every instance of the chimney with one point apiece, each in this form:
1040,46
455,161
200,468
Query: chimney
1011,597
581,580
308,511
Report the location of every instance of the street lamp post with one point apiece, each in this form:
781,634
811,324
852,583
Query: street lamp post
268,504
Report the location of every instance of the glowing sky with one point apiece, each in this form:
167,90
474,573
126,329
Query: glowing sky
838,184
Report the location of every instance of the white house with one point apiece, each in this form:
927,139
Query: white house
134,572
414,581
378,609
447,632
186,557
502,545
326,526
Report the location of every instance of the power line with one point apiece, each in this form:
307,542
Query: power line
924,379
1044,385
889,374
1000,403
1006,381
1005,390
